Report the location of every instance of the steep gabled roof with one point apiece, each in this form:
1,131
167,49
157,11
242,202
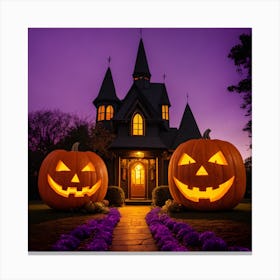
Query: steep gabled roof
188,128
157,95
141,65
133,99
107,91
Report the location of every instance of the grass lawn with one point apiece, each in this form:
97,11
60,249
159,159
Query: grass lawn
234,226
45,225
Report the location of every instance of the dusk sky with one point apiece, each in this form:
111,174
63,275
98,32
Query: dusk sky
66,68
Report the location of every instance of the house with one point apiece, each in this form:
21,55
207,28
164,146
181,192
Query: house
144,140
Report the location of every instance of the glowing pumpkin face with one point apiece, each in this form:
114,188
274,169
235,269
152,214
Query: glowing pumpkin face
207,174
70,179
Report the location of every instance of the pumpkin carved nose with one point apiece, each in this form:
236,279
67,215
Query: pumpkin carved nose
201,171
75,179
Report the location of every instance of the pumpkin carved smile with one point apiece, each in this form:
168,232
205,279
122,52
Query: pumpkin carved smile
70,179
206,175
195,194
88,190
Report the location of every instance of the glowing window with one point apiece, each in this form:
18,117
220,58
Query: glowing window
137,125
138,174
165,112
101,113
109,112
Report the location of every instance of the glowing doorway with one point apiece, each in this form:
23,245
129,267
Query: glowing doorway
137,181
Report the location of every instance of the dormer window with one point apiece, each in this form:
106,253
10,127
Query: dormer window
109,112
165,112
101,113
137,125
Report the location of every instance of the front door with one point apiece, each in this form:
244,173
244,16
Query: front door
137,181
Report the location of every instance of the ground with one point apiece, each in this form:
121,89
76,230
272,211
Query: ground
132,234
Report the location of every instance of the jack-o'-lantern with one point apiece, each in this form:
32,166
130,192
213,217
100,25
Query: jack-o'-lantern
206,174
69,179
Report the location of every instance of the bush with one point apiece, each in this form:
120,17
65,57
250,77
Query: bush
159,195
115,196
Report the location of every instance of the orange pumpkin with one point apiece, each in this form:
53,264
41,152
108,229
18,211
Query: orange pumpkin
69,179
205,174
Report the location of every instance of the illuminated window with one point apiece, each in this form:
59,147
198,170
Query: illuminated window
137,125
138,174
109,112
101,113
165,112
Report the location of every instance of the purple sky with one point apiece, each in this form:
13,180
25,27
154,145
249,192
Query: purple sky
66,68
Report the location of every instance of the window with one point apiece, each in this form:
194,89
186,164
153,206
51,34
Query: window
101,113
109,112
138,175
165,112
137,125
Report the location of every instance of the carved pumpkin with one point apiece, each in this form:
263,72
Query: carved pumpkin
69,179
207,174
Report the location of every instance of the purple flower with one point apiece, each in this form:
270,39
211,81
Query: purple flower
66,243
184,231
100,232
191,239
172,246
170,224
238,248
97,245
178,226
81,232
214,244
206,235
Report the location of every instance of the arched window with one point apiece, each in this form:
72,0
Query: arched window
101,113
109,112
165,112
137,125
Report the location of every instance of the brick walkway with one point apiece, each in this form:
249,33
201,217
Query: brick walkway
132,233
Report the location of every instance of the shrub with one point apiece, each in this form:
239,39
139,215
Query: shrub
159,195
115,196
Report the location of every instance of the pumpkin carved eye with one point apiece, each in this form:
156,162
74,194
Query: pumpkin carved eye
61,166
186,159
218,158
89,167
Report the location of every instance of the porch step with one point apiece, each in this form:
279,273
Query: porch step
138,202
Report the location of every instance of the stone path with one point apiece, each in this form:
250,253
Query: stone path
132,233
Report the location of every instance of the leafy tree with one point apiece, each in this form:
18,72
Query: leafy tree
101,138
241,54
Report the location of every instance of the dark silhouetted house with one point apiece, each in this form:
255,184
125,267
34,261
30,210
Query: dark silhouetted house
143,141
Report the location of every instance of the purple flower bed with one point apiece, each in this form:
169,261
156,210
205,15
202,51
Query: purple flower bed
99,233
177,236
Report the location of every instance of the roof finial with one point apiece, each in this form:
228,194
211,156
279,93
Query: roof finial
164,77
109,61
140,31
187,98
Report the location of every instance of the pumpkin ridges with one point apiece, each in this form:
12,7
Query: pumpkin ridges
77,160
200,150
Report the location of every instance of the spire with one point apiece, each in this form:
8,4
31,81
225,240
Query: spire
107,91
141,68
188,128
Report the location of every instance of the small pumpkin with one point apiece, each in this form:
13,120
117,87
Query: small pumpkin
70,179
206,174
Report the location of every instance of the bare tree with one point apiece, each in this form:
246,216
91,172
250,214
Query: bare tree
46,129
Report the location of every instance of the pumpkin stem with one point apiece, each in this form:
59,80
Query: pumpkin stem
75,147
206,134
